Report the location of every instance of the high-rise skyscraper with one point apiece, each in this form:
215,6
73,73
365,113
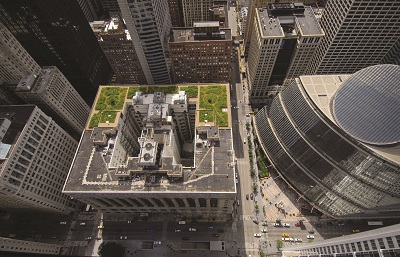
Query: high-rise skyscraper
116,43
149,25
55,96
196,10
176,12
35,156
335,140
15,62
201,54
283,41
56,33
359,33
378,242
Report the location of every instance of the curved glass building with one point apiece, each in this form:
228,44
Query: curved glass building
336,140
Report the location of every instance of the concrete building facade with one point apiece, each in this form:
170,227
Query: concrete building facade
116,43
141,152
15,62
379,242
284,39
334,140
359,33
36,155
149,25
54,95
22,246
201,54
196,10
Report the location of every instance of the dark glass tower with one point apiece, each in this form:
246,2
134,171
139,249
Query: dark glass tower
56,33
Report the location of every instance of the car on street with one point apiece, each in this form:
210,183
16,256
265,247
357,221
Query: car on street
298,224
244,141
157,242
123,237
192,229
215,235
256,221
185,238
100,226
311,231
251,196
178,230
82,224
356,230
286,225
257,235
89,238
291,239
264,223
210,226
247,196
340,223
310,236
285,235
264,230
63,222
277,224
298,240
129,221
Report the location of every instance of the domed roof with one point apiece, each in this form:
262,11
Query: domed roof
367,105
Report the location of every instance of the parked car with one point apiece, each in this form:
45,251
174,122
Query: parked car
251,196
215,235
277,224
286,225
356,230
298,240
123,237
310,236
178,230
89,238
285,235
291,239
82,224
63,222
256,221
264,230
247,196
192,229
257,235
311,231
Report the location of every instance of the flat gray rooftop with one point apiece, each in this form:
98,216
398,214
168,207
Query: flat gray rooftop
304,24
186,35
214,171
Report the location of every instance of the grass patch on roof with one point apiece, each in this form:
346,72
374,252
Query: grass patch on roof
111,98
108,116
132,91
206,115
164,89
215,98
191,91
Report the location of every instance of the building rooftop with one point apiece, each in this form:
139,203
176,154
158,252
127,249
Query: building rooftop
187,35
322,90
285,20
213,157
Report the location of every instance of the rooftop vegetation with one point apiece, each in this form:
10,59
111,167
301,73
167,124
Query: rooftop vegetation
206,115
111,98
191,91
215,98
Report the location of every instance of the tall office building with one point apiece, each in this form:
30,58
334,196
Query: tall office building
196,10
201,54
335,140
284,39
55,96
149,25
379,242
359,33
132,161
110,6
56,33
253,7
176,12
15,62
35,156
28,247
116,43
